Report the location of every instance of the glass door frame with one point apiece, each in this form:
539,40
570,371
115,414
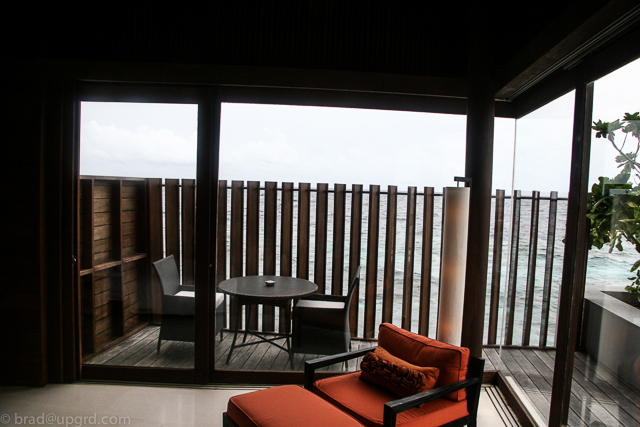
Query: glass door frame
206,176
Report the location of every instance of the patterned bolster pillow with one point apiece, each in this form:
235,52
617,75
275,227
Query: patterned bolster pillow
391,373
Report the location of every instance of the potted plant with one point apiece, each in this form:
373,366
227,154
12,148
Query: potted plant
614,204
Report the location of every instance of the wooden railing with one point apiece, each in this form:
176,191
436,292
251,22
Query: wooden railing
323,233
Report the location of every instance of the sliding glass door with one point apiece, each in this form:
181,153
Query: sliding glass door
137,225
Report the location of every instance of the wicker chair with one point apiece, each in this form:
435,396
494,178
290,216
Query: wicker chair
321,322
178,305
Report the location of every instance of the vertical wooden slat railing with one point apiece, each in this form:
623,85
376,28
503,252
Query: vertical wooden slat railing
355,248
221,244
286,241
496,273
155,238
236,244
409,247
548,269
371,281
339,216
513,268
245,216
172,215
427,261
531,269
253,243
320,266
221,235
270,242
389,255
188,246
304,229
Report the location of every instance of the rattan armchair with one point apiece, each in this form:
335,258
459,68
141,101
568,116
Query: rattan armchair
321,322
178,305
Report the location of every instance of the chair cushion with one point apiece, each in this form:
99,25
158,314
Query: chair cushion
288,405
219,299
310,303
365,402
452,361
394,374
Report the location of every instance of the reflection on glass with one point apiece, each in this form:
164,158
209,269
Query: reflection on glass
136,201
610,328
534,253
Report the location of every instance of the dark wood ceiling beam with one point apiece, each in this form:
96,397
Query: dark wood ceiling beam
616,55
578,30
273,77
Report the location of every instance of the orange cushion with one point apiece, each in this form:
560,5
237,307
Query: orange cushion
452,361
365,402
288,405
404,379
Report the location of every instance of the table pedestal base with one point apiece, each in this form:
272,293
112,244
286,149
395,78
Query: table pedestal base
242,301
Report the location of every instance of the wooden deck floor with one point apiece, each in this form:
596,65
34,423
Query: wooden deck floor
599,397
140,350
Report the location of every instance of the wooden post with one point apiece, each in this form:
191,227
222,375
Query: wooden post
478,167
575,258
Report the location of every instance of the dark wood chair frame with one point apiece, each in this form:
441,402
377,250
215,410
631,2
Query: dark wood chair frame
472,384
323,329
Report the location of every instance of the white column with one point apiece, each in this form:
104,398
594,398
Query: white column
453,264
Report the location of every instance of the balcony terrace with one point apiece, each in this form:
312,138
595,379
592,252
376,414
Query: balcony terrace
121,311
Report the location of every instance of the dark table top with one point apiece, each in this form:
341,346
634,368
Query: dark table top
255,287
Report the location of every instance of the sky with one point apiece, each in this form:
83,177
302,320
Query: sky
351,146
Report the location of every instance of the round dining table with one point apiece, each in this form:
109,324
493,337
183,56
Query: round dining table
277,291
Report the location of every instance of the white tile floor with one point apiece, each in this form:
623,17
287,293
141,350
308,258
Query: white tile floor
89,404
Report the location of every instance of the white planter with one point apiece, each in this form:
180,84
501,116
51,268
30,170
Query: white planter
611,331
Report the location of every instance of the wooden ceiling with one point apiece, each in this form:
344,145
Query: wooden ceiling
422,42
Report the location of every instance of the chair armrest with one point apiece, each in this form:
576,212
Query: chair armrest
310,366
178,305
393,408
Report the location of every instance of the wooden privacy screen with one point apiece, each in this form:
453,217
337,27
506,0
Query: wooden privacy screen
114,285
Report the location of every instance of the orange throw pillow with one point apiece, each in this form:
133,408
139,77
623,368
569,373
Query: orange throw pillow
391,373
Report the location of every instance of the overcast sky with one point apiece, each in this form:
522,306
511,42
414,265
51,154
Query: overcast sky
350,146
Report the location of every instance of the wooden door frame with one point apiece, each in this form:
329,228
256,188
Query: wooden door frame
207,169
